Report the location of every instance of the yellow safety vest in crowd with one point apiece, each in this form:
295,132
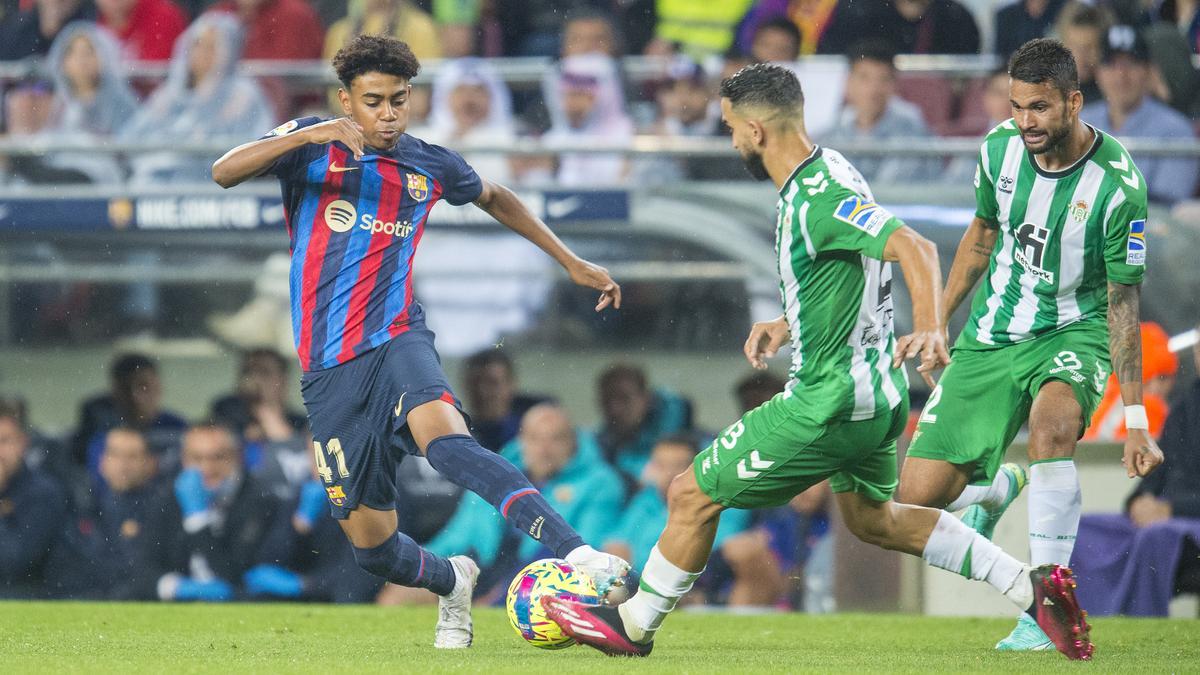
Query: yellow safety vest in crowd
702,27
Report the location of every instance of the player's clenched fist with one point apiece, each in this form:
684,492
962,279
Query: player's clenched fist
342,129
766,337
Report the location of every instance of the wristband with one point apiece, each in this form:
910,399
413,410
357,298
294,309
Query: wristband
1135,417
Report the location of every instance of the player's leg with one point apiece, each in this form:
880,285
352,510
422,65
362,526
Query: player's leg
440,433
970,419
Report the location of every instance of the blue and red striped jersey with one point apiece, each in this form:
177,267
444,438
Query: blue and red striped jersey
354,227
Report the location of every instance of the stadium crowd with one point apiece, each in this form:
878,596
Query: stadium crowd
1135,60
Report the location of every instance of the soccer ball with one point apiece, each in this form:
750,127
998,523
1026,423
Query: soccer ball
549,576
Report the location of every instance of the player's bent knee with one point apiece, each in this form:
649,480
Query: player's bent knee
686,501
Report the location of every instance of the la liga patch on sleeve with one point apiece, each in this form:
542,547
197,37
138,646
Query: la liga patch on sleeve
1135,248
284,128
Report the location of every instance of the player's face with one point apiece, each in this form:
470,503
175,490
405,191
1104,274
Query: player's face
379,103
1042,114
747,140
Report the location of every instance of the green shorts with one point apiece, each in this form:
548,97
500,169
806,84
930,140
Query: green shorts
776,451
984,396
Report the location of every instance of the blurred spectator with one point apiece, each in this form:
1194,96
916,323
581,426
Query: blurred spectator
874,112
1082,28
1175,79
1160,530
398,18
147,29
471,104
134,400
1128,111
811,17
221,518
33,513
756,389
994,107
91,100
203,99
908,26
127,515
685,107
635,417
277,29
565,465
740,556
589,32
586,103
698,29
1021,21
274,435
1185,15
496,408
30,32
775,41
460,27
310,557
1159,366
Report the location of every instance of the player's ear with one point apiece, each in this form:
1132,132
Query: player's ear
1075,102
344,97
758,132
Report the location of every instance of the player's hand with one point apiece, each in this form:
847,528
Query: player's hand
930,346
766,337
1142,455
594,276
342,129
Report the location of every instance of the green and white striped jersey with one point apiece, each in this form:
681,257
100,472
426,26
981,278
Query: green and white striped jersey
837,293
1063,236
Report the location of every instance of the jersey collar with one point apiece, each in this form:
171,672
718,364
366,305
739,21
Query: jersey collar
812,157
1063,173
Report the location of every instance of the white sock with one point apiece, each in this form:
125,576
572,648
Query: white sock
954,547
987,496
661,587
1054,505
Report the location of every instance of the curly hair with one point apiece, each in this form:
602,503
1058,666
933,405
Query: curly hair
375,54
764,84
1045,60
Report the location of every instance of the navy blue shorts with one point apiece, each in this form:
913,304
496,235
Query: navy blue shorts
358,414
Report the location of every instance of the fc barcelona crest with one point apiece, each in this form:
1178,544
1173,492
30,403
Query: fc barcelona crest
418,186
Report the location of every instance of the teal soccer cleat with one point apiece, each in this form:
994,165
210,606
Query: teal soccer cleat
984,520
1027,636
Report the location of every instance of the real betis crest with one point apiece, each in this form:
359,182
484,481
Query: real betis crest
1079,211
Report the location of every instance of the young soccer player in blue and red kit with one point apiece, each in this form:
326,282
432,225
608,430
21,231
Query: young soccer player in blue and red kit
357,194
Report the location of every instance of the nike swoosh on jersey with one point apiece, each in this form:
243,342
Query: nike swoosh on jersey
400,405
339,169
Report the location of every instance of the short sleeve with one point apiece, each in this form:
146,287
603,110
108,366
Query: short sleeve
985,191
289,163
1125,240
460,183
853,224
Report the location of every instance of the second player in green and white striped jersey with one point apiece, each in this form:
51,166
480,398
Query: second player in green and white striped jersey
1063,236
836,290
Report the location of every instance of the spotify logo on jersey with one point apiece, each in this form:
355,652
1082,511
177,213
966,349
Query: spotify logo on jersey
340,215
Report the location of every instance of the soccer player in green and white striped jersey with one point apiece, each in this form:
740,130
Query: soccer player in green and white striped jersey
1059,239
847,402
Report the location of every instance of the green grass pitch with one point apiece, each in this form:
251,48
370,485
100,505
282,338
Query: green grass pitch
128,638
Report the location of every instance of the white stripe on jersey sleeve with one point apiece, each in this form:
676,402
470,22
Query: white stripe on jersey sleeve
1071,243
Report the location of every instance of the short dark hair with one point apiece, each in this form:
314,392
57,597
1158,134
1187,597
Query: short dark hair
873,49
764,84
623,372
1083,16
125,366
491,356
785,25
1045,60
265,353
375,54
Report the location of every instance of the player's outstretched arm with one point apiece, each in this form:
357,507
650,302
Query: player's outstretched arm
970,262
1142,454
500,203
252,159
918,260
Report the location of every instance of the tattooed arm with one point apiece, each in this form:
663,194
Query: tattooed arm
970,262
1125,349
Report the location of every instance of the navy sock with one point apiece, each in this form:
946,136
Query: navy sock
401,561
464,462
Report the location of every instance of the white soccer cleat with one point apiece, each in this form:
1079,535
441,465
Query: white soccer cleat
454,628
606,571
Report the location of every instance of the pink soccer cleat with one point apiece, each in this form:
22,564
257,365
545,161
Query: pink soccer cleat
1058,613
598,626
